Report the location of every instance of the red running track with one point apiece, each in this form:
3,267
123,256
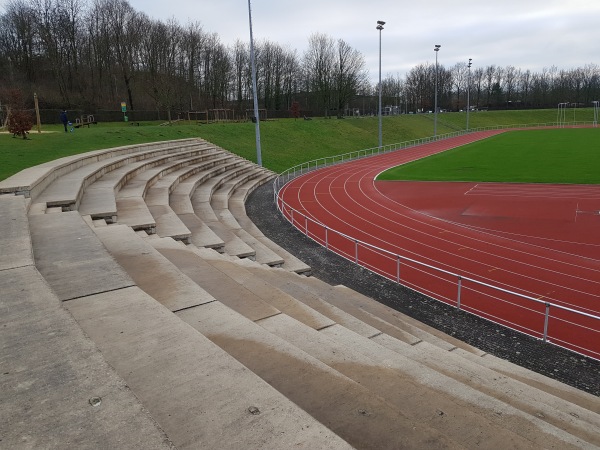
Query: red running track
540,241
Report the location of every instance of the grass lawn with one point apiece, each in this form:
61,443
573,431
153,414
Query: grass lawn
529,156
284,142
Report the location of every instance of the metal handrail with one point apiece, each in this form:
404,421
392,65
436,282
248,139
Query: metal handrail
305,167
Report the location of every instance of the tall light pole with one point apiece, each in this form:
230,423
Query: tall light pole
436,49
595,103
256,116
380,25
468,90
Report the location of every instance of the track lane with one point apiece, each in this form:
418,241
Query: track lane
346,198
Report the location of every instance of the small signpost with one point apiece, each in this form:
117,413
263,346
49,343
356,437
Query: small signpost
124,111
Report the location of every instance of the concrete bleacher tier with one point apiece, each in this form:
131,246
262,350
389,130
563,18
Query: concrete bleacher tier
142,308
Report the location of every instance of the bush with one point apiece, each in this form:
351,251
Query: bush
20,121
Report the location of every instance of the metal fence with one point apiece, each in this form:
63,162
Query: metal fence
566,327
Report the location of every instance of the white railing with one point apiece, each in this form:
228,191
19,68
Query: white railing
566,327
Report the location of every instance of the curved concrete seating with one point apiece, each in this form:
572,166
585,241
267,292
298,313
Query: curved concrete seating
197,348
132,209
80,170
236,216
99,199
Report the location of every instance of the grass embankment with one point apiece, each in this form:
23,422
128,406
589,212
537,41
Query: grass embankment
530,156
284,142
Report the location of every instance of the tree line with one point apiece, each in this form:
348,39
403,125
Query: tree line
94,54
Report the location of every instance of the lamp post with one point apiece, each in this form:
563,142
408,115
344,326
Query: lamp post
595,103
256,116
436,49
468,90
380,25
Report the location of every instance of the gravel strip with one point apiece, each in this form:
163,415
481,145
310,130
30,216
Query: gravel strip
554,362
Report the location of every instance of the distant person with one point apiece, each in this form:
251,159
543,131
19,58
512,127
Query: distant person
64,119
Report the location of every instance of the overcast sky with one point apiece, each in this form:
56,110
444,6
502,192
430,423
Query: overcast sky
528,34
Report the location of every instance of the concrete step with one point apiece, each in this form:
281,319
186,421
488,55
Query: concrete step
202,235
131,207
58,391
322,392
220,196
458,411
99,198
378,315
197,393
14,236
559,421
219,285
242,192
238,211
292,284
534,380
67,190
168,224
233,244
558,404
264,255
71,258
178,375
561,413
351,411
32,181
265,291
150,270
205,191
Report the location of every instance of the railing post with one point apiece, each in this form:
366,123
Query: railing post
459,291
546,317
326,238
292,214
306,225
356,251
398,269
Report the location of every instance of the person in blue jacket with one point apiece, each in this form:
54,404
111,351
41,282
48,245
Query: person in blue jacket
64,119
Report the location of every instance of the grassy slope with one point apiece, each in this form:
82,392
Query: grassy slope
544,156
284,142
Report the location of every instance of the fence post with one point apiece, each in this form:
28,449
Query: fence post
398,269
292,214
459,289
306,225
326,239
546,316
356,251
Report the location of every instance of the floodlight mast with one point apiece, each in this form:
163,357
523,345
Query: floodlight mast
380,24
436,49
468,90
255,96
595,103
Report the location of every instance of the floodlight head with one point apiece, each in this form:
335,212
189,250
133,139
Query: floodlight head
380,22
379,27
437,47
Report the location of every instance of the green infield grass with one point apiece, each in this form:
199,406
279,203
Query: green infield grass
564,155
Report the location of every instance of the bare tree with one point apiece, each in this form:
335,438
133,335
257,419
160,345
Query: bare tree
319,67
19,41
477,83
349,74
459,74
511,76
